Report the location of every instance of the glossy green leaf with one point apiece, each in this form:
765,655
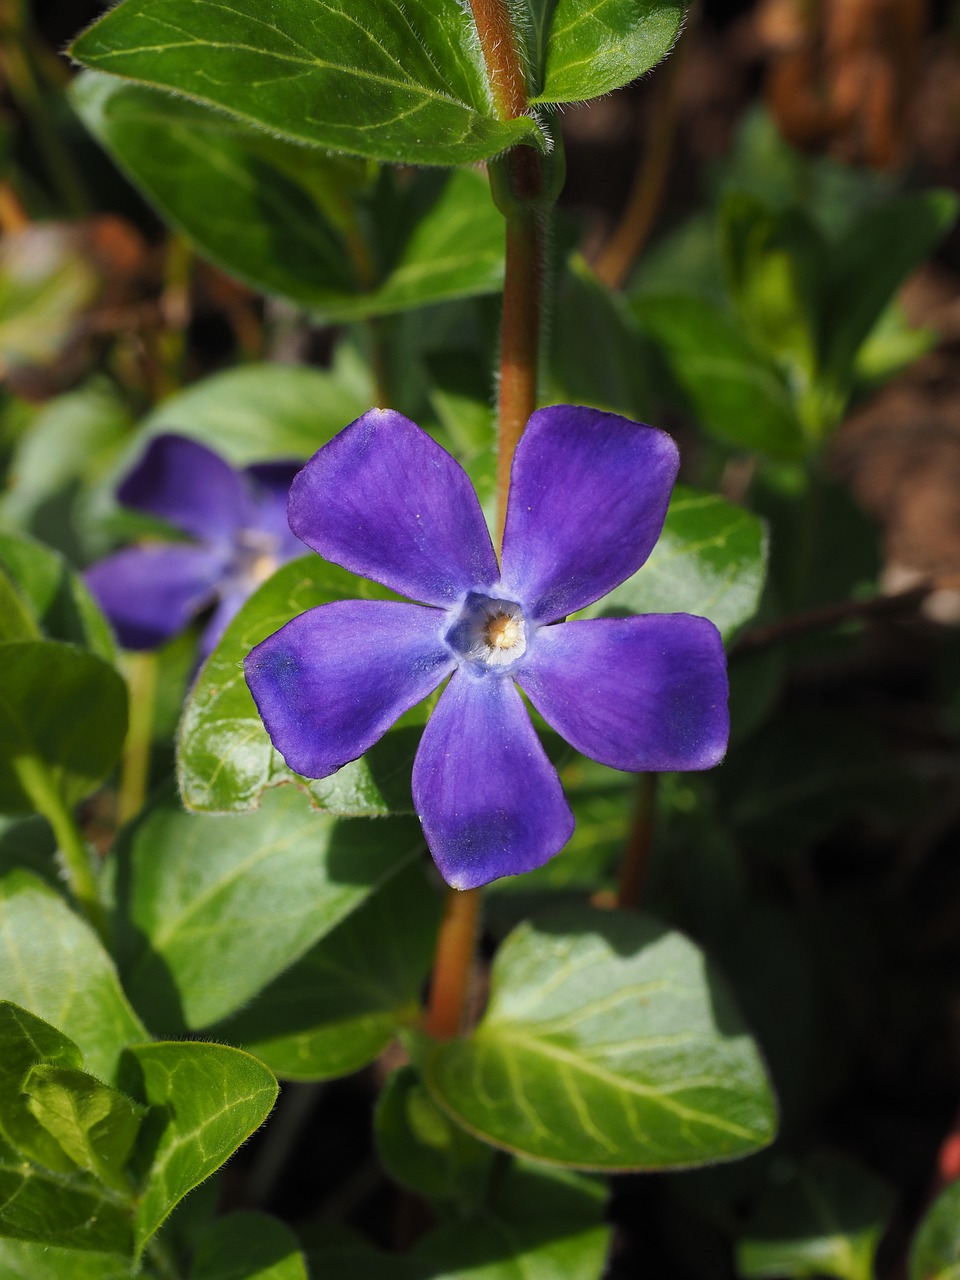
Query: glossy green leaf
710,560
288,221
56,597
340,1006
95,1125
736,392
211,909
25,1041
870,262
422,1149
935,1253
579,51
827,1220
24,1260
53,964
397,82
339,1254
63,719
538,1225
225,761
248,1246
259,412
609,1043
207,1100
68,1211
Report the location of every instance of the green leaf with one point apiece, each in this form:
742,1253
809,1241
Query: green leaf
404,83
95,1125
336,1253
710,560
53,964
539,1224
598,354
340,1006
422,1149
70,443
56,597
609,1043
16,620
23,1260
248,1246
73,1212
935,1254
291,222
211,909
63,712
225,761
870,262
207,1100
826,1221
736,392
259,412
579,51
26,1040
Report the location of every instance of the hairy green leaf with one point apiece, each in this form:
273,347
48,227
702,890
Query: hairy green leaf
206,1100
53,964
402,82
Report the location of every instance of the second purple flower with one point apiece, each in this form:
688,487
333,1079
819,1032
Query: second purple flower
588,497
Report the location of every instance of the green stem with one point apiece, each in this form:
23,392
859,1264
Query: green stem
45,796
141,670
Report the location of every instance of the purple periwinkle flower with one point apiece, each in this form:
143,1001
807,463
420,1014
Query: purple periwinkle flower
588,497
237,521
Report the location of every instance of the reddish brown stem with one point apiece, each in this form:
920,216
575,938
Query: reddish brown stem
453,963
502,58
635,867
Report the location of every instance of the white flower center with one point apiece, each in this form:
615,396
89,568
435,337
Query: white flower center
488,632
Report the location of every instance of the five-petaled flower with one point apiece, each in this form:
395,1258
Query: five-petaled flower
588,497
238,523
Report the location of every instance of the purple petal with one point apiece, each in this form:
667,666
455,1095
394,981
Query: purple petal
385,501
151,592
185,483
644,693
588,496
490,801
333,681
229,605
270,487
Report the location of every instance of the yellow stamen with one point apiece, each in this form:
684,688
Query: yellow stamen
502,631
